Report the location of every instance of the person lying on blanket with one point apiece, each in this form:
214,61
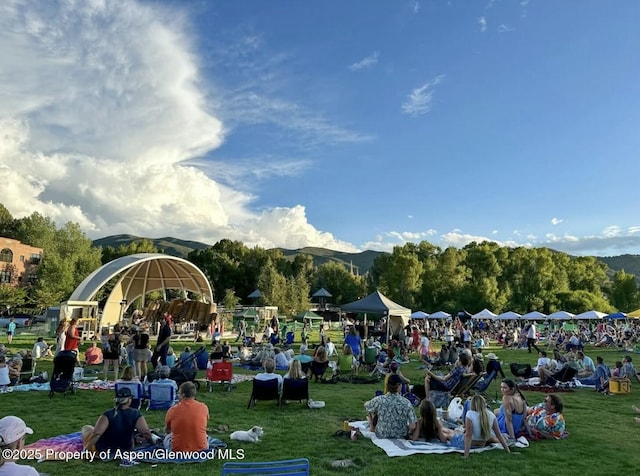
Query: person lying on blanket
115,428
545,420
12,433
480,428
391,415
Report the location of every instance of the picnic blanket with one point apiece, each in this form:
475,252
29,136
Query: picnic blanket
64,447
55,447
28,387
402,447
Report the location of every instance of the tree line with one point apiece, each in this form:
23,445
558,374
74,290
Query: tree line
419,276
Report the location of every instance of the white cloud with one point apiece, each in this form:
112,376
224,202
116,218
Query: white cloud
104,123
611,231
416,7
420,99
494,232
482,21
505,28
556,221
633,229
365,63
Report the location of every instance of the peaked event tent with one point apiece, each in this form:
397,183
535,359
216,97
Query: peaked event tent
634,314
509,316
484,314
561,316
616,315
533,315
419,315
378,303
590,315
322,293
440,315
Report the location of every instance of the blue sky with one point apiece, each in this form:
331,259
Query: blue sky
350,125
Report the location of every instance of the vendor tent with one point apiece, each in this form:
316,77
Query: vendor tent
509,316
616,315
534,315
590,315
484,314
322,293
561,316
440,315
634,314
419,315
378,303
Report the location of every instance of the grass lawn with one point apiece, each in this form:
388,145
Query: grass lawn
603,436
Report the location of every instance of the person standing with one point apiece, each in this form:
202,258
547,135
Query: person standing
186,422
72,337
11,330
242,330
162,346
531,337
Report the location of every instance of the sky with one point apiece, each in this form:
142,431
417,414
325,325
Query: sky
349,125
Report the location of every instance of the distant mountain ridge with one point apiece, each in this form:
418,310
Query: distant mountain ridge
361,262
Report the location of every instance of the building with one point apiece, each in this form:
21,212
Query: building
19,263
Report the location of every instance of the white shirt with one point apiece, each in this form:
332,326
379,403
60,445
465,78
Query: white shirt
264,376
39,349
531,334
11,468
331,349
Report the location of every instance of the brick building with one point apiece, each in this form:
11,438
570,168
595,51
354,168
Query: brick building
19,263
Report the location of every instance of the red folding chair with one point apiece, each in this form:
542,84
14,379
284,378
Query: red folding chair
221,372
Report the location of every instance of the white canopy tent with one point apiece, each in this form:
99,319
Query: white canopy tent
561,316
440,315
419,315
509,316
484,314
534,316
590,315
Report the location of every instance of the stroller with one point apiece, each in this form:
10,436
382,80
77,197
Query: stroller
62,380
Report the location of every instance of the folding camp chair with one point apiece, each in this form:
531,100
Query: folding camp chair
220,372
295,389
318,369
370,357
292,467
161,396
464,386
483,384
264,390
345,368
28,368
137,392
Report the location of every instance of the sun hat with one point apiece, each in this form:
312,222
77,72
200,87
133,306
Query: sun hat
12,429
492,356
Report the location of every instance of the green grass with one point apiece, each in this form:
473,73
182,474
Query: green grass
603,437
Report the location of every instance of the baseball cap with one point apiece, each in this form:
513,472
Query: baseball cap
123,393
12,429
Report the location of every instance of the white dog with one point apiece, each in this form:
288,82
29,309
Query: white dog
252,436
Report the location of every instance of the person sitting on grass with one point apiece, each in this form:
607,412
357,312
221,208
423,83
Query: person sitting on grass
600,379
429,427
545,420
394,369
480,428
41,349
512,411
186,360
115,428
391,415
93,355
186,422
13,431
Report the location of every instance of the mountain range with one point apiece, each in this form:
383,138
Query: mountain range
360,263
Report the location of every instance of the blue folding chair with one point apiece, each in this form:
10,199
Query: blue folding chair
291,467
137,392
161,396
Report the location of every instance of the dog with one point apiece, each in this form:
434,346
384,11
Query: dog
252,436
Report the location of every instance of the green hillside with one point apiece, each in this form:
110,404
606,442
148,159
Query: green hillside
629,263
361,262
168,245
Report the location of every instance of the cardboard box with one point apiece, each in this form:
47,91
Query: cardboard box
620,386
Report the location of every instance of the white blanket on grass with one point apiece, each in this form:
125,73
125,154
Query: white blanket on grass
401,447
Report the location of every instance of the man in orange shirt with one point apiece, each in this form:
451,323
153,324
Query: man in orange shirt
186,422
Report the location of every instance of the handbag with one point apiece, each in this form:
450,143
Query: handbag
455,409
